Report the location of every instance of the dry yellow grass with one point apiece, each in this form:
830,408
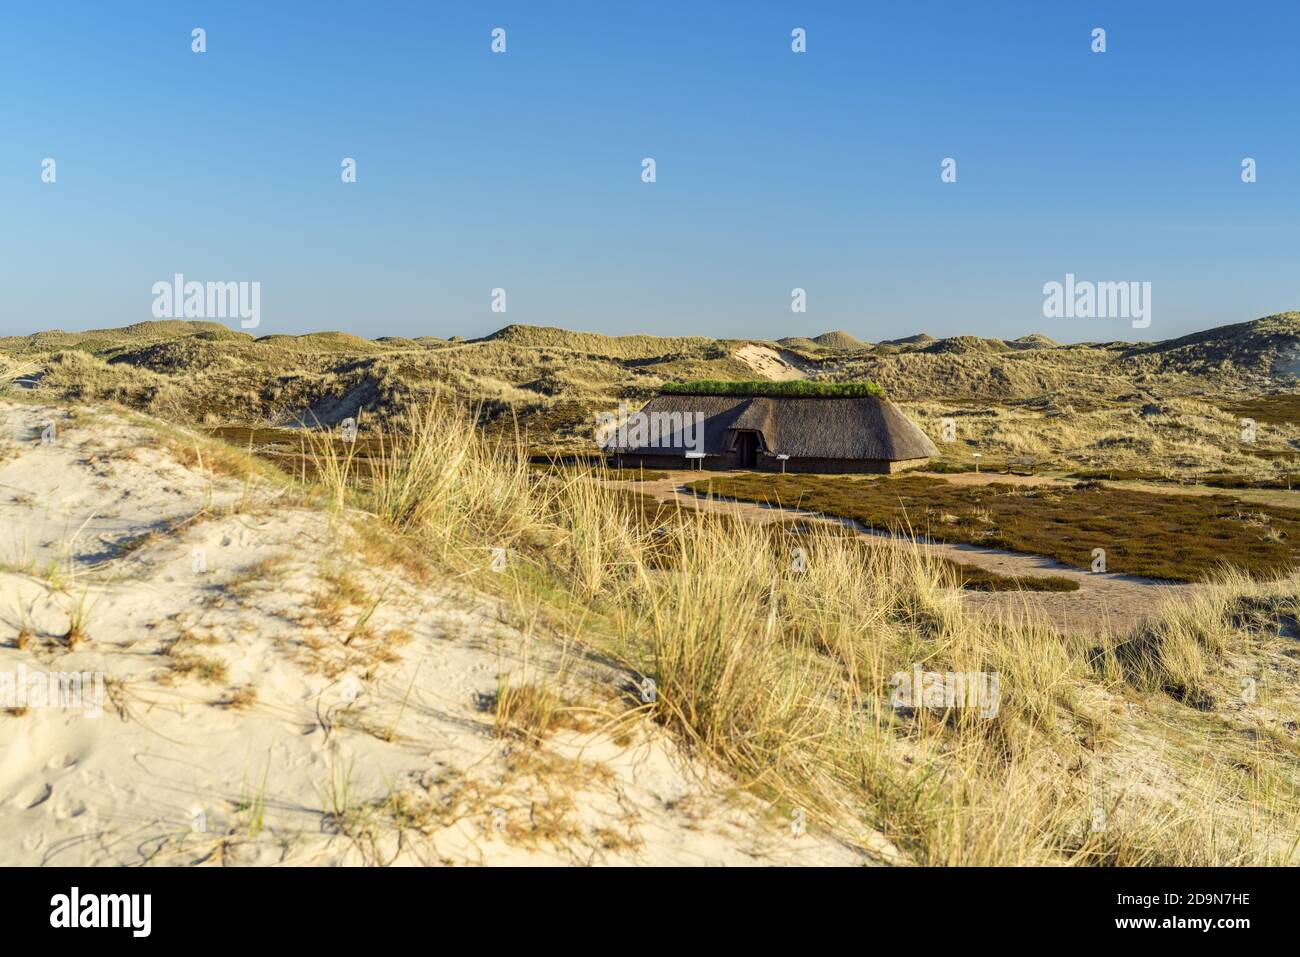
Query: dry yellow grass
1179,439
1134,750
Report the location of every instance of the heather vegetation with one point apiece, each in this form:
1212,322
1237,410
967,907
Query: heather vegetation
1179,537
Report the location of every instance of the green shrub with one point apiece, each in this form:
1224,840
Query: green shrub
799,388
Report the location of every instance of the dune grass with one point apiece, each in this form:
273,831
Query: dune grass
774,657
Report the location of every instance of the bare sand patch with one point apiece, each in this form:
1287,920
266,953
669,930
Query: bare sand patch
774,364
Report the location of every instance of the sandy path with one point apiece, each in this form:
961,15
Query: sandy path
1104,602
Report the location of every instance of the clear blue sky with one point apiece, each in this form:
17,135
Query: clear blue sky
775,170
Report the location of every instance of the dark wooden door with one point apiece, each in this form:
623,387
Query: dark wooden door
747,443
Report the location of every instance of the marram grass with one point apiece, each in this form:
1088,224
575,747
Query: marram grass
776,665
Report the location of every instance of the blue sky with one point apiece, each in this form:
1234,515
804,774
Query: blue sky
775,170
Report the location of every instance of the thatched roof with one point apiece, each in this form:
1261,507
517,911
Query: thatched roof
863,427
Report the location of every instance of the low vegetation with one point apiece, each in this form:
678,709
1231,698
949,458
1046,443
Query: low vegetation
1276,409
1178,537
1175,440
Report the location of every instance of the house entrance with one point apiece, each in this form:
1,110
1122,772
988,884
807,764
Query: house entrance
747,449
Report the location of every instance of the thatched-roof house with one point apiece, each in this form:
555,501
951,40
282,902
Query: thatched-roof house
863,433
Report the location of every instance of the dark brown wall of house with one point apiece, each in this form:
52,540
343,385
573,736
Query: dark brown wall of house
768,464
871,466
874,466
713,462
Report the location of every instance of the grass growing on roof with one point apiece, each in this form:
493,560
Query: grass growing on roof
795,389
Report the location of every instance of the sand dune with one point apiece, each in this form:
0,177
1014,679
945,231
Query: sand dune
273,694
769,363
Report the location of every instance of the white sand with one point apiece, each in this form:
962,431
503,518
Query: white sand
172,773
774,364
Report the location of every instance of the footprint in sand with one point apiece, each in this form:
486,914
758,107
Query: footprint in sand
61,762
30,797
65,809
